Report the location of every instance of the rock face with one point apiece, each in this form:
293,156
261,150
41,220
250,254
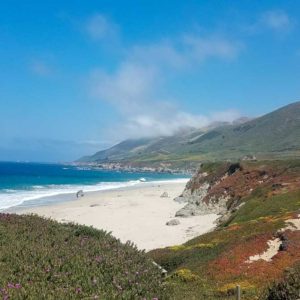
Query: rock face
173,222
198,198
196,205
221,189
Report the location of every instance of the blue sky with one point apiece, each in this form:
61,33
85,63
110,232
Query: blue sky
78,76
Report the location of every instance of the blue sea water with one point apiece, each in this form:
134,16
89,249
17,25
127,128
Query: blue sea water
22,183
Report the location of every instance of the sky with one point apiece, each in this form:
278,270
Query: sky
79,76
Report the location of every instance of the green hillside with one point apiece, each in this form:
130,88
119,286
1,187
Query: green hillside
274,135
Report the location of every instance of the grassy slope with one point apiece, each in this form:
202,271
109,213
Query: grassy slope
275,135
209,266
42,259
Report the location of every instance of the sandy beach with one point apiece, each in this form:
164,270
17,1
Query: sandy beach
138,214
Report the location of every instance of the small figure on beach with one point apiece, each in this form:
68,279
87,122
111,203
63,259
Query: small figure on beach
79,194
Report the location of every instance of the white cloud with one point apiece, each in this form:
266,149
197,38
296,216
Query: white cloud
130,86
164,54
41,68
162,124
202,48
189,49
166,123
276,19
136,87
134,91
99,27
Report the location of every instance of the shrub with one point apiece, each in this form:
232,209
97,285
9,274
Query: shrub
230,288
288,288
185,275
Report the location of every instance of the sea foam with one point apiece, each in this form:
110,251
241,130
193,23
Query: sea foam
11,197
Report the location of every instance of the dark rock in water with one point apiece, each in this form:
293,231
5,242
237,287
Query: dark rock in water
94,205
173,222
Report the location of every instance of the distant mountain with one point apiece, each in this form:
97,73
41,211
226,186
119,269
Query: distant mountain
274,135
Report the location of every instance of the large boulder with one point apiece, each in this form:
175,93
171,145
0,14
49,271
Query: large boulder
164,195
173,222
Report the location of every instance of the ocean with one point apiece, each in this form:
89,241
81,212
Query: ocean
32,184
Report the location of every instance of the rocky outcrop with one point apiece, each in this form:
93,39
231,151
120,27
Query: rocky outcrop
221,189
196,204
198,198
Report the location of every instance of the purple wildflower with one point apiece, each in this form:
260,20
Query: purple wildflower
78,290
18,286
98,259
10,285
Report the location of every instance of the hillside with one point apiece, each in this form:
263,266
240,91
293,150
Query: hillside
274,135
257,239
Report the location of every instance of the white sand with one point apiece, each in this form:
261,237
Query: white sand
293,224
273,249
137,214
274,244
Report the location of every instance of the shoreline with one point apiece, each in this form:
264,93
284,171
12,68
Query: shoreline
70,195
137,213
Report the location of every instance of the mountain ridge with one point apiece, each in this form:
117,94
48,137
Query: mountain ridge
273,135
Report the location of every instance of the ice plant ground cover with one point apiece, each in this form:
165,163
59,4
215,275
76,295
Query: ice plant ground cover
42,259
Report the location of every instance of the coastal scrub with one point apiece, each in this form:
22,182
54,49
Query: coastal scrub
41,259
